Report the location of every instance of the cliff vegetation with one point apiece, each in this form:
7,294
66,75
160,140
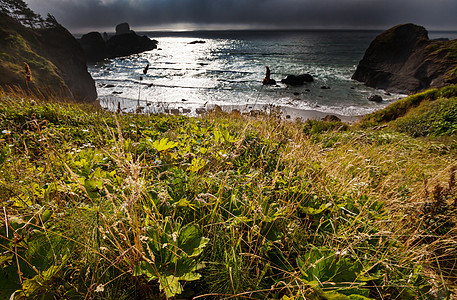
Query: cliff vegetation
54,57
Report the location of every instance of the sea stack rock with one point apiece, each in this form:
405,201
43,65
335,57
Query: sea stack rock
123,28
403,59
297,80
94,46
126,42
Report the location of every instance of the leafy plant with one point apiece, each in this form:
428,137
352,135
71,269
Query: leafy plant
171,256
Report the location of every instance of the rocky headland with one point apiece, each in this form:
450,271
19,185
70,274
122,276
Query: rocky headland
403,59
54,57
124,43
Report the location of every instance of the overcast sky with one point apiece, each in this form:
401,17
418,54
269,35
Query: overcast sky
80,16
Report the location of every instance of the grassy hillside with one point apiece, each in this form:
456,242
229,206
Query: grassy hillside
102,206
54,57
17,44
447,52
432,112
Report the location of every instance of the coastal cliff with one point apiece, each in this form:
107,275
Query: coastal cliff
57,62
403,59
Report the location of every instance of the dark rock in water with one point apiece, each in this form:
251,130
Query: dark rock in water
352,88
287,117
324,87
331,118
307,90
296,93
126,42
375,98
269,82
403,59
297,80
196,42
123,28
55,58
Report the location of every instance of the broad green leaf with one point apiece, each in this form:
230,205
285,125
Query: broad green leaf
196,165
46,215
191,276
315,211
191,241
144,268
21,201
31,287
93,185
163,144
170,285
338,274
184,203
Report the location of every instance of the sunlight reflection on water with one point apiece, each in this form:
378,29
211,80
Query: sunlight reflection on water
230,71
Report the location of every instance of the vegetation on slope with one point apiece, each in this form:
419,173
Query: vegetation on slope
447,51
53,58
18,44
102,206
417,107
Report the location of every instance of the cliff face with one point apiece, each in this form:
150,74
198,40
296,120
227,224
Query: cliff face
56,60
403,59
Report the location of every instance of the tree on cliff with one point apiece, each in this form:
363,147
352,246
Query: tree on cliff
20,11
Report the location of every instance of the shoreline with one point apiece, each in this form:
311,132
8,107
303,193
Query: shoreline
196,109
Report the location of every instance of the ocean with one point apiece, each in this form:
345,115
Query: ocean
226,68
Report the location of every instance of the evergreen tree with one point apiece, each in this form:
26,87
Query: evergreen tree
20,11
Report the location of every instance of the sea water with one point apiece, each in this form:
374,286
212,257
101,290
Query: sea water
226,68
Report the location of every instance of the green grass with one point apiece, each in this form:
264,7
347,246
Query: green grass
447,51
407,105
107,206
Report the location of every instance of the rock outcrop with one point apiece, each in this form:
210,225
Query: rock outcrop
57,62
403,59
126,42
297,80
123,28
375,98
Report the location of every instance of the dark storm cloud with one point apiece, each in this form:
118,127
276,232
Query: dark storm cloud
437,14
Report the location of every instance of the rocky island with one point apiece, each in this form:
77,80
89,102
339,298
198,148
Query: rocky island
403,59
124,43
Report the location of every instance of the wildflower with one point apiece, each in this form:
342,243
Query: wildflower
100,288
